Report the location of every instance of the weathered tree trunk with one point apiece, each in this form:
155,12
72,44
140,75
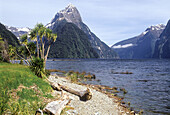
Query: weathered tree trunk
83,95
37,49
47,54
56,107
42,49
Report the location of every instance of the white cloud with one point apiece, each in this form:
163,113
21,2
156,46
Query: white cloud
123,46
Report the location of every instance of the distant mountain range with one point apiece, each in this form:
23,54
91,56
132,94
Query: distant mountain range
82,39
141,46
71,14
75,40
18,31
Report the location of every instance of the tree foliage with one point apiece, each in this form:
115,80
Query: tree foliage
42,36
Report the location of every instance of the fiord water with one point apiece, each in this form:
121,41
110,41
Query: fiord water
148,87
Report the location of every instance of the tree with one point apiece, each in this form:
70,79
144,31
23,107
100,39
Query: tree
23,54
27,49
43,36
34,35
11,52
46,37
32,47
41,33
51,38
24,41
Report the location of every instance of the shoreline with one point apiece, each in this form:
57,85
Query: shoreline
102,102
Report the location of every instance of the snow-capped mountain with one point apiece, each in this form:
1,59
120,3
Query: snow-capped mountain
156,27
71,14
141,46
18,31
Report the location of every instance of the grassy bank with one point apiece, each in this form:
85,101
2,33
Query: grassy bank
21,92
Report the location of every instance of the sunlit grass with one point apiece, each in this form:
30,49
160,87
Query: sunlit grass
26,99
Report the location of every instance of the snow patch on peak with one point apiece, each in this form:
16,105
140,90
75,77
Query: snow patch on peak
154,28
160,26
50,25
145,32
157,27
70,6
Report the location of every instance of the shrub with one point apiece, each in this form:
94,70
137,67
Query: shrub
37,66
47,72
21,62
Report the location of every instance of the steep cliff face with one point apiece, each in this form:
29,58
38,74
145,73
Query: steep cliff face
71,14
162,47
71,43
141,46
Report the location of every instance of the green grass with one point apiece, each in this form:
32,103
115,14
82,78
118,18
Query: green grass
27,99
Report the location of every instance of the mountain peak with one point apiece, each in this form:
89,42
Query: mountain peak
70,6
70,14
156,27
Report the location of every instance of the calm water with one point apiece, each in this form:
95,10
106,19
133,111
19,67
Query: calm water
148,87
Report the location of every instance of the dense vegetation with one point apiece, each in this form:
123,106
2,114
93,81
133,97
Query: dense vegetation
4,57
8,36
71,43
21,92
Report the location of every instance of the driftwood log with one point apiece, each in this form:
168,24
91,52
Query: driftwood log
55,86
83,95
55,107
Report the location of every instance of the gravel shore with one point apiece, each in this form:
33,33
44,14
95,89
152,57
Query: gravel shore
100,104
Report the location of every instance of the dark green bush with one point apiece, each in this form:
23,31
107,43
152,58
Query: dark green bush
47,72
21,62
37,66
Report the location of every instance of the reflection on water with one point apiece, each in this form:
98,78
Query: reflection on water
148,87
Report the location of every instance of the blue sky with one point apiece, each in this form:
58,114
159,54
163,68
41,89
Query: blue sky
110,20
